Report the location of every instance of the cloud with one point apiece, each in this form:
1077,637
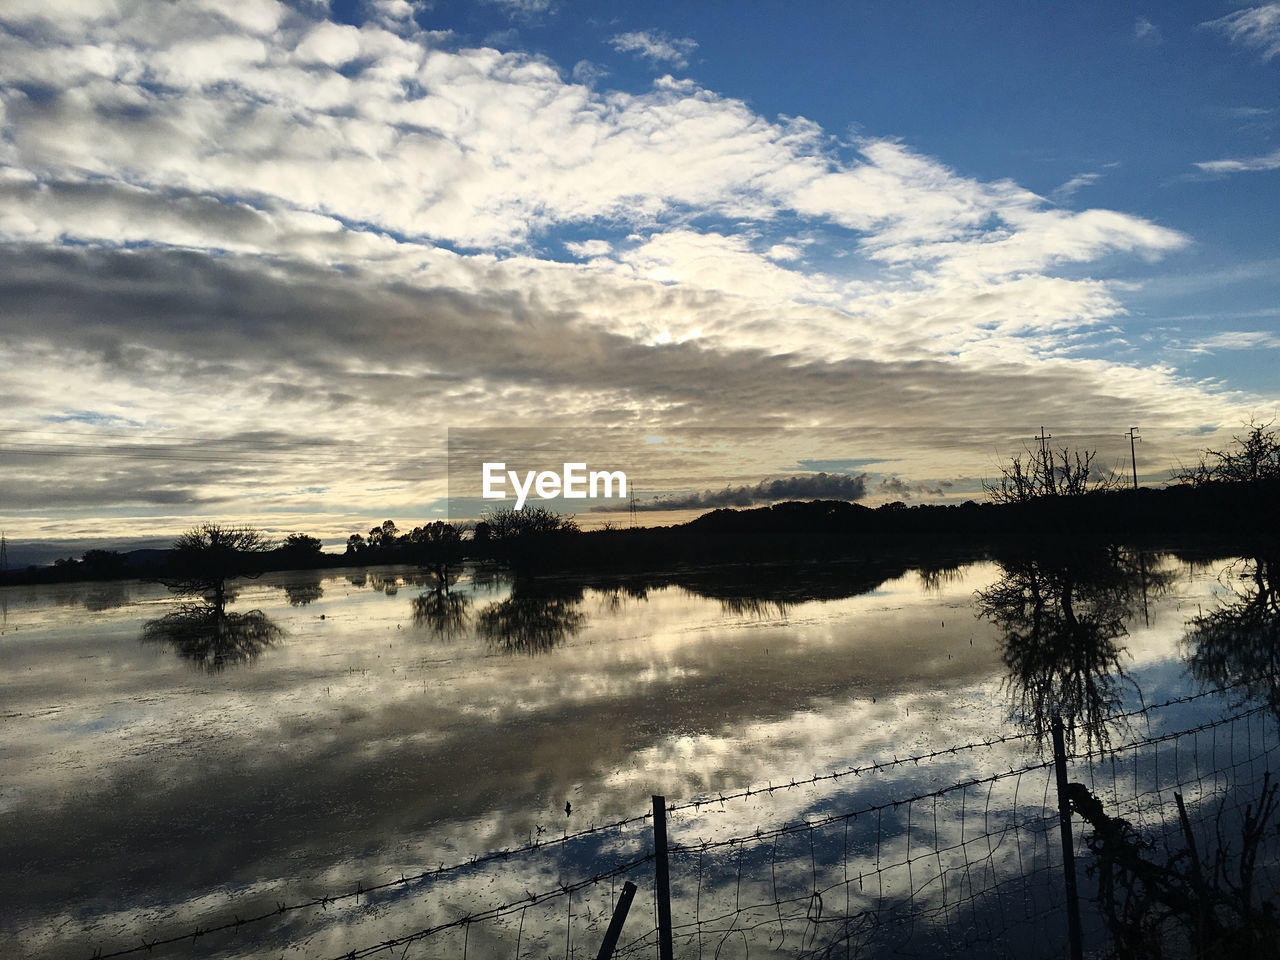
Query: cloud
904,490
1255,27
1147,33
587,73
1067,190
821,486
1270,161
1238,340
525,6
232,219
656,46
234,346
590,248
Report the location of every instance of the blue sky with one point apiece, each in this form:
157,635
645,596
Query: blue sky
260,257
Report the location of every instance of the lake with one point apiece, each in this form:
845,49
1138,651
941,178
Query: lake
168,768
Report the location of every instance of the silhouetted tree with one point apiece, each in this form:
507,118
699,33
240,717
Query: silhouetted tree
301,545
206,557
383,537
527,522
1046,474
100,564
1254,458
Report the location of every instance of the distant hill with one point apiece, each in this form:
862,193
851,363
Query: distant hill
40,553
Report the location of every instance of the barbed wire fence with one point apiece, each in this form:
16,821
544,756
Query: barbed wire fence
954,852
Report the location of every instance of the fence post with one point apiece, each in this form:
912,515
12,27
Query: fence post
1068,842
662,880
615,924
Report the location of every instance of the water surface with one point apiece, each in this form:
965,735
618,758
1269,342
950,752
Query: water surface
348,727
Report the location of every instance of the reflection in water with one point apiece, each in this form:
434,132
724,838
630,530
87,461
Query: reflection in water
755,608
669,696
211,638
390,583
1062,618
615,596
301,592
445,614
1239,643
534,618
935,576
106,596
783,585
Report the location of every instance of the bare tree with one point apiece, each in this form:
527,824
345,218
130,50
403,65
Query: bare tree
206,557
1254,458
527,522
1046,474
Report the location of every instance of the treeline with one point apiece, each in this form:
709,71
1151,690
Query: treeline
1232,517
1230,501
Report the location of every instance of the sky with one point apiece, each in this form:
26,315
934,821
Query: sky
258,259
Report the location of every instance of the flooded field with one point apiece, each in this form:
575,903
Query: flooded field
168,768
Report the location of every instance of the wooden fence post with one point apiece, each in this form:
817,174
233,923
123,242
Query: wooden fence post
661,878
1068,842
615,924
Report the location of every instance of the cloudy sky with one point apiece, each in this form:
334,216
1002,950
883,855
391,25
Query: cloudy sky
260,257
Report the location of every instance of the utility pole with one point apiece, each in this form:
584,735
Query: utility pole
1045,463
635,498
4,553
1133,456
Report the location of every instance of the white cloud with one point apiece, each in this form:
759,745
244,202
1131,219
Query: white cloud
728,265
1256,27
525,6
1270,161
291,221
590,248
656,46
587,73
1146,32
1069,189
1238,340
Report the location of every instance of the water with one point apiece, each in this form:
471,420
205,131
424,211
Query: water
349,727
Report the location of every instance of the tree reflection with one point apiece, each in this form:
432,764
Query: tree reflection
440,611
1064,619
755,608
299,593
1239,643
107,596
212,639
534,619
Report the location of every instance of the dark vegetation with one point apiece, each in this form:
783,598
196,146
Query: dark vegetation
1227,502
1157,904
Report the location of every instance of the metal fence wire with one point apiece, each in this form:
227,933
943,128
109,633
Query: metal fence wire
1173,829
